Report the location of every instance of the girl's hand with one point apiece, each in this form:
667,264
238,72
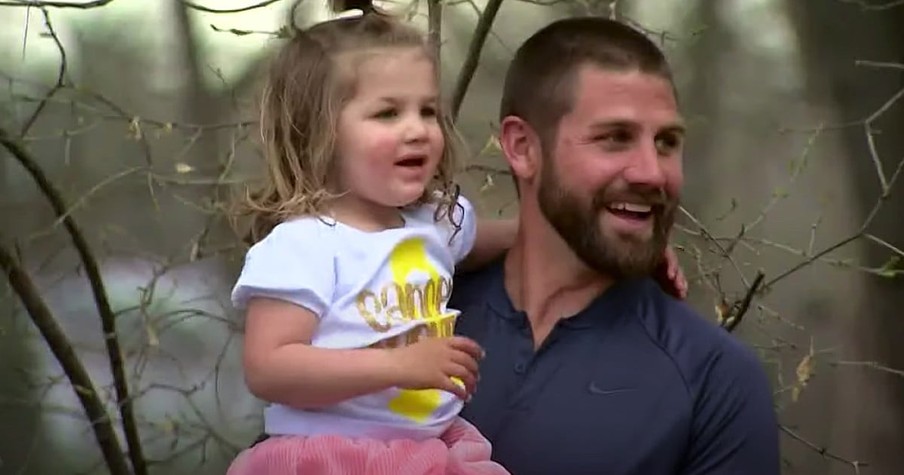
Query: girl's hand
670,276
431,363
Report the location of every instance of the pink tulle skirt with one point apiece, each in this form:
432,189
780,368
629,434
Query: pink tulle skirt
461,450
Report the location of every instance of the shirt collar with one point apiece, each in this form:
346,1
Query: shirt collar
613,304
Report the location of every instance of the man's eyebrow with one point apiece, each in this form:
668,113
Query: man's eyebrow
676,128
608,123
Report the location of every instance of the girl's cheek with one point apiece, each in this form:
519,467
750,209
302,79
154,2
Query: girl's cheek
385,146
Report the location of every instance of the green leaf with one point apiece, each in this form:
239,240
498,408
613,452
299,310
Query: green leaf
892,268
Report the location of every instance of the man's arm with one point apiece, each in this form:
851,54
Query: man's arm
735,429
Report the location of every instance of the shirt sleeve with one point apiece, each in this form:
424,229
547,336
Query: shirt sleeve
463,240
292,264
735,428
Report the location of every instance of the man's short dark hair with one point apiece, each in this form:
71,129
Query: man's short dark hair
539,85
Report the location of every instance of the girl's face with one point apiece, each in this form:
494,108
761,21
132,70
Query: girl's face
389,141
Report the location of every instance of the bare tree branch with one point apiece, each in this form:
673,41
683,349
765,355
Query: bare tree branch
43,4
481,31
62,349
865,5
879,64
61,76
824,451
435,26
202,8
102,302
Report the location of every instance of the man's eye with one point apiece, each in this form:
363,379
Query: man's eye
615,137
666,143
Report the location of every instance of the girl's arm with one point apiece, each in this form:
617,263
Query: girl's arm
493,238
281,366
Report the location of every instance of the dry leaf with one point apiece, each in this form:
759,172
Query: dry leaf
722,312
487,183
492,145
804,373
805,370
135,128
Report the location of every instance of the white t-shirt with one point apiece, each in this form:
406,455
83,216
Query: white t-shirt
369,289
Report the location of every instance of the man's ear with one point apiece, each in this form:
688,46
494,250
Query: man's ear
520,146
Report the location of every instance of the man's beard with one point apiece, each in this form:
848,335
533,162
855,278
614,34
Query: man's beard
609,253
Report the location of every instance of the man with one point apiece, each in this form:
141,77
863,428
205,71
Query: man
590,367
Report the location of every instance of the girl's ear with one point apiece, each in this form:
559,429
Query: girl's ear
520,146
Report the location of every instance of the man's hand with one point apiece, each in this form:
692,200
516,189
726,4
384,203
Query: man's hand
670,276
431,363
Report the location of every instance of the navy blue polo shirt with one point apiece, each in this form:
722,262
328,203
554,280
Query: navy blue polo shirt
637,383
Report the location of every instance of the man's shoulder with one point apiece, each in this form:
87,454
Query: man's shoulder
734,426
694,343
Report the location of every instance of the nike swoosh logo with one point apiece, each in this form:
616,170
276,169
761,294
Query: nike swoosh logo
594,389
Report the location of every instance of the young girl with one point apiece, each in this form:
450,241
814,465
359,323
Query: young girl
348,335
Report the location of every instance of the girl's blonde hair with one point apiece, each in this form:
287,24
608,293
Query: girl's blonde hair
310,80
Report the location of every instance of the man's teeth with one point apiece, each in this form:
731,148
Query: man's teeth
632,207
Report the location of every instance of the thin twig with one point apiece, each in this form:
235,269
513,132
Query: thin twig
201,8
870,141
872,365
62,349
864,5
838,245
61,75
822,450
884,244
799,165
739,309
879,64
709,236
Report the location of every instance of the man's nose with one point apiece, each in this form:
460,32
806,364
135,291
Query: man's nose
645,169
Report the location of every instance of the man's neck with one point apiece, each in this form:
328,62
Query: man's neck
545,279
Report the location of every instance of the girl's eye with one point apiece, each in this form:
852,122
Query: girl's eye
386,114
428,112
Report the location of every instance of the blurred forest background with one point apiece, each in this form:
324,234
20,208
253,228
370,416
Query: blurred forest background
126,125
